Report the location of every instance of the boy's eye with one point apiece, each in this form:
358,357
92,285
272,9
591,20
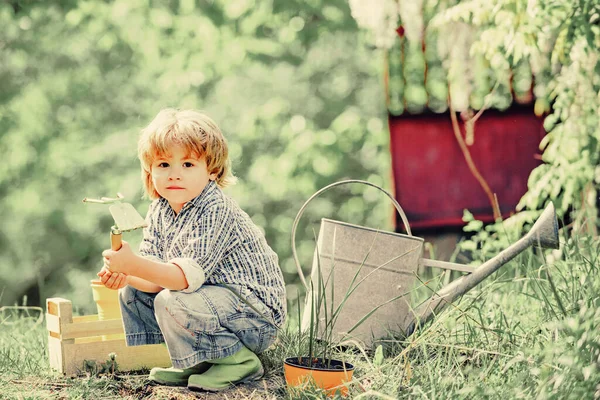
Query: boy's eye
163,165
188,164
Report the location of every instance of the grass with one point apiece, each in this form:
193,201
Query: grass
531,331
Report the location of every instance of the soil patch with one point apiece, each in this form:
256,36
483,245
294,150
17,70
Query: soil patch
135,387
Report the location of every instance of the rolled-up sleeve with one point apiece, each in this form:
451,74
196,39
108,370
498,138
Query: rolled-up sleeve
207,243
150,247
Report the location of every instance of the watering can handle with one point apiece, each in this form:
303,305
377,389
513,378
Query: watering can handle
301,211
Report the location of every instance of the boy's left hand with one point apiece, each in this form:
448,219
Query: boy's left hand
112,280
120,260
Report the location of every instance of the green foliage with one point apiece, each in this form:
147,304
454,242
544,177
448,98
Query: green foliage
434,59
474,46
110,366
378,358
570,368
291,84
559,39
507,338
23,348
93,368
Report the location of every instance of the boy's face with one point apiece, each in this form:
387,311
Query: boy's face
179,177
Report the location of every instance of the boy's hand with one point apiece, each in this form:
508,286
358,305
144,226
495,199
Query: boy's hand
118,261
112,280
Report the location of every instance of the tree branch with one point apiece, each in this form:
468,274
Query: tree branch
470,163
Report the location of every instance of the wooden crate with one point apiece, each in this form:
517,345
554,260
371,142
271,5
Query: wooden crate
73,341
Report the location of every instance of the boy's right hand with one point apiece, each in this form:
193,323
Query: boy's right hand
112,280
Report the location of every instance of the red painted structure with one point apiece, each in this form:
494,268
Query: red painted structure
433,183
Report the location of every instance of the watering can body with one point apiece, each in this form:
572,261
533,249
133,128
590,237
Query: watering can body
380,265
362,279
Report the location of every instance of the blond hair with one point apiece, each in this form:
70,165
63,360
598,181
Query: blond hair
193,130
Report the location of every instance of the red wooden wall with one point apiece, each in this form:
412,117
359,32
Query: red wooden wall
432,181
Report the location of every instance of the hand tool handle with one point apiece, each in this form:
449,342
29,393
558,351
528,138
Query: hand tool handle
115,238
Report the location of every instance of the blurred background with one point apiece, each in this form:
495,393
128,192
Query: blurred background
400,93
294,85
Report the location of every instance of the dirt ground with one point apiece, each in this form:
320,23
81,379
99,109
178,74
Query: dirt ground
135,387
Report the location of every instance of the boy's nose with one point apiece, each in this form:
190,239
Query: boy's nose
174,175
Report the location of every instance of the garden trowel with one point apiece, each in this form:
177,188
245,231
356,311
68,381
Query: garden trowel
126,218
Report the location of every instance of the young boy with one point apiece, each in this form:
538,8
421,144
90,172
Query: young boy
198,249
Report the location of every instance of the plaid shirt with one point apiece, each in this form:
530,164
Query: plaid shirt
214,241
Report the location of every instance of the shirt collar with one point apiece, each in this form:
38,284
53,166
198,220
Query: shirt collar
208,190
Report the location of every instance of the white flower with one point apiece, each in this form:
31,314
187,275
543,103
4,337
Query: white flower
380,17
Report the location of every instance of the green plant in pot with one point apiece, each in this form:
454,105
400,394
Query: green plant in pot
317,366
330,297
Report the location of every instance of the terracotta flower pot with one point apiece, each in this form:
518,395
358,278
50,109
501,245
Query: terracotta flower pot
107,303
332,379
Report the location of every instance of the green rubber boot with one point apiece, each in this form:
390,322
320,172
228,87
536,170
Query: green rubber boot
175,376
243,366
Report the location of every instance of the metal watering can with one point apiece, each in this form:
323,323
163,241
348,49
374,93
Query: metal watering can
370,273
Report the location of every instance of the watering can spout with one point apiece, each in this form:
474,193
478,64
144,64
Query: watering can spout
545,230
544,233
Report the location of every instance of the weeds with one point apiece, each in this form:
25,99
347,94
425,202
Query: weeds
516,335
23,349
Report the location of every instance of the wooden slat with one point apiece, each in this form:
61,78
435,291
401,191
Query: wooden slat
85,326
55,353
59,314
53,323
90,339
61,308
128,358
92,328
85,318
